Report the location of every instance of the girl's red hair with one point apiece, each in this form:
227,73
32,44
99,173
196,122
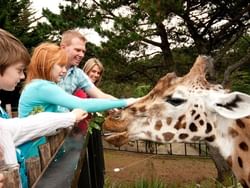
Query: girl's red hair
43,58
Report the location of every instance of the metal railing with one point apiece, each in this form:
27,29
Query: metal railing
199,149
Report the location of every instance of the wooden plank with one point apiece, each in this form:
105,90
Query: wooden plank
11,174
64,173
33,166
51,159
45,154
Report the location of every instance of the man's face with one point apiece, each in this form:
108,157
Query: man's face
76,51
12,76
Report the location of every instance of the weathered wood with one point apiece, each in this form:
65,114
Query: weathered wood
56,140
37,166
33,169
52,140
11,174
45,154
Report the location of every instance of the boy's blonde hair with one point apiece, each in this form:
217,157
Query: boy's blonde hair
88,66
43,58
12,51
68,35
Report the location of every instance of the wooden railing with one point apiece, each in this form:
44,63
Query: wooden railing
40,168
71,169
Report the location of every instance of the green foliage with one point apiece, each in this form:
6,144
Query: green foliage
131,31
142,183
148,184
17,17
96,122
155,183
141,90
240,81
37,109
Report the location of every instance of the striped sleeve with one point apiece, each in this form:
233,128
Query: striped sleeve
34,126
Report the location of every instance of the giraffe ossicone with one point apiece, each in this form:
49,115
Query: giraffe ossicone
188,109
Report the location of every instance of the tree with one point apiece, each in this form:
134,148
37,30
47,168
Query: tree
135,25
17,17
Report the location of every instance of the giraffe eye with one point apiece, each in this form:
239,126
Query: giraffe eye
175,101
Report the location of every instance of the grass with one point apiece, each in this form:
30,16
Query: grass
159,184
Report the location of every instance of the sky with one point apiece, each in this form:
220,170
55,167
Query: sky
37,5
90,34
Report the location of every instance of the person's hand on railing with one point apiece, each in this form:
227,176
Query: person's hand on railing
79,114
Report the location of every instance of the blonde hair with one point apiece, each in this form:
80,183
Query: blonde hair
68,35
44,57
12,51
88,66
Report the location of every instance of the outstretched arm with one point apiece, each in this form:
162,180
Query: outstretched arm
59,97
42,124
95,92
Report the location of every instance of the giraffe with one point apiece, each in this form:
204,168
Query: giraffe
188,109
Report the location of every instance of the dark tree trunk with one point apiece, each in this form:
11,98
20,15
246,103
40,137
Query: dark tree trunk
224,172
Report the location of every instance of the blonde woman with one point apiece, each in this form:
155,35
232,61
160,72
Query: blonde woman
94,70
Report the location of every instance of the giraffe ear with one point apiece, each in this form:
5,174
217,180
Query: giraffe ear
233,105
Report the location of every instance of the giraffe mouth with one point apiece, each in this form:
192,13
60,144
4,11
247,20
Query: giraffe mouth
116,138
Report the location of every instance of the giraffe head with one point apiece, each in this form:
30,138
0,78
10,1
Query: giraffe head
188,109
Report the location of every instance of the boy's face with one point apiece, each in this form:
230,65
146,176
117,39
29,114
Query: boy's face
12,76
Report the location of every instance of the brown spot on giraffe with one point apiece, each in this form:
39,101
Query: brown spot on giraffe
193,112
233,132
183,136
240,162
142,109
158,125
201,122
168,136
193,127
243,146
240,123
197,116
179,124
229,161
209,128
169,120
210,138
133,110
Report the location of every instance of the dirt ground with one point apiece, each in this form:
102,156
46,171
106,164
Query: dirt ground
168,169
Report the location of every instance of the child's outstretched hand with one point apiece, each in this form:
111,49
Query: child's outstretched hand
80,114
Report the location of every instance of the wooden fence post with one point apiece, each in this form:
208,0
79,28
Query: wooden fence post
33,169
11,175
